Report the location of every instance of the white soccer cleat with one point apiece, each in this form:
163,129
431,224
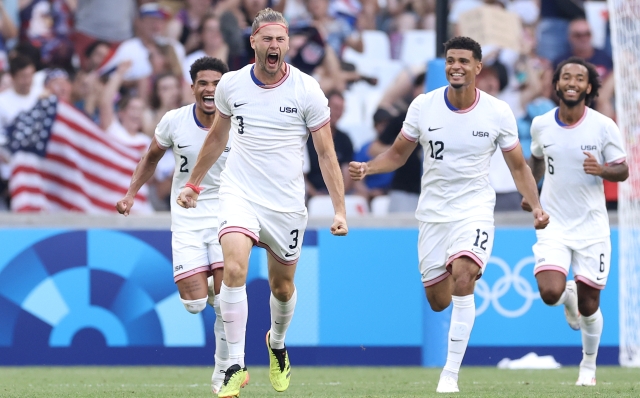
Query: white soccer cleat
217,378
571,306
447,384
586,380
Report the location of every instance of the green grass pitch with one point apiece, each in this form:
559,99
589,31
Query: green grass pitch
311,382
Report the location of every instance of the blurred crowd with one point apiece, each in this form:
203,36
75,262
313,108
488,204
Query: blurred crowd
125,63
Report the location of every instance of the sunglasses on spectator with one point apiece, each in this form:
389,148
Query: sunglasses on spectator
586,33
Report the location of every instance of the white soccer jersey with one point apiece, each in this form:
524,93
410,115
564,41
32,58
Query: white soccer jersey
270,125
180,129
458,146
574,199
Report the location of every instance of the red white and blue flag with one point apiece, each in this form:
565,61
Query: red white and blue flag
62,161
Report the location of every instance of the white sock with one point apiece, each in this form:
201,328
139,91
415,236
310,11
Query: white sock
591,329
222,350
235,311
562,299
281,314
462,317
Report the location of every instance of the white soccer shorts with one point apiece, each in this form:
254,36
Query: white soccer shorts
194,252
441,243
281,233
590,260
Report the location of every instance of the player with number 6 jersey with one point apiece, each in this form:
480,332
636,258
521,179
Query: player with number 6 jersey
459,128
576,148
197,254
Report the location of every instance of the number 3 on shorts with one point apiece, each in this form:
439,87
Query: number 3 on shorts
295,239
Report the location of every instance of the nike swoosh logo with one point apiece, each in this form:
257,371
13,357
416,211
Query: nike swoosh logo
437,128
227,321
236,105
546,146
455,340
184,146
599,278
278,323
289,255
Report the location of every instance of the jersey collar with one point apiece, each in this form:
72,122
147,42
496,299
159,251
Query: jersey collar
268,86
567,126
456,110
195,118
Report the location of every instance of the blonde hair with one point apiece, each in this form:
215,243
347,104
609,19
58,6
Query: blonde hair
268,16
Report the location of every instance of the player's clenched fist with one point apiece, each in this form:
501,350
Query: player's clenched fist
591,165
339,226
358,170
124,205
187,198
540,218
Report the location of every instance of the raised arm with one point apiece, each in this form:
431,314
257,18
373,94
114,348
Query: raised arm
107,114
214,145
389,160
526,184
332,175
143,172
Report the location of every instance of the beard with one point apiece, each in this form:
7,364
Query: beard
457,85
571,103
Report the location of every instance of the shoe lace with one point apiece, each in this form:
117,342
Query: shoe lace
280,354
228,374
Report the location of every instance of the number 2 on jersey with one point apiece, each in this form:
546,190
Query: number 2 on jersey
183,165
439,147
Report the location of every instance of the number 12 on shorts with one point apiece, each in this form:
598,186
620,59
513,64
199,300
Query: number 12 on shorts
483,243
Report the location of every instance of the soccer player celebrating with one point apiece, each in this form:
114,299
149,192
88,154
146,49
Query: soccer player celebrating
459,127
270,107
196,250
573,142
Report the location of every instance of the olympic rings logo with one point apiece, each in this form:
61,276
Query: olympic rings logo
492,296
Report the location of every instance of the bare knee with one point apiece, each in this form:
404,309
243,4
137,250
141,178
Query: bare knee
234,274
282,289
549,294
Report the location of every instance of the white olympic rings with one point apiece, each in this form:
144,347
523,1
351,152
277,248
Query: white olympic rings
491,296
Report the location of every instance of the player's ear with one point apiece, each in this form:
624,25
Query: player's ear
478,68
252,39
588,90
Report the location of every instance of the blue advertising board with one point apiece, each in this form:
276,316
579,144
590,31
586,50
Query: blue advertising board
100,296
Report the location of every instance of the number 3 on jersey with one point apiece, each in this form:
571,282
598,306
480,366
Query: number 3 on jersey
240,120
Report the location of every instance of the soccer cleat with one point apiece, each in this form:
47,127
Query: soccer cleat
217,378
447,384
571,306
586,380
279,367
234,379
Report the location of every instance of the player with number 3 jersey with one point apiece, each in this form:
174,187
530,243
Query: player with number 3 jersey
576,148
270,107
459,128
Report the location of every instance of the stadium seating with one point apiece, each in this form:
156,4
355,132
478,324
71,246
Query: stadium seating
418,47
380,206
321,206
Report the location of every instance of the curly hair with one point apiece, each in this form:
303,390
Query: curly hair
594,77
464,43
207,63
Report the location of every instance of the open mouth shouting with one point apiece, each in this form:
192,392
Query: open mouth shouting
208,101
272,60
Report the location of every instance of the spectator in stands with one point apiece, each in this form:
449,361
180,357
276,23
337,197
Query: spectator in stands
95,54
212,44
344,151
336,32
553,26
24,93
579,36
151,29
125,124
166,95
8,31
186,25
110,22
57,83
375,184
405,186
47,24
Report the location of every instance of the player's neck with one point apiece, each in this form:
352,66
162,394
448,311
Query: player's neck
463,97
571,115
267,78
204,119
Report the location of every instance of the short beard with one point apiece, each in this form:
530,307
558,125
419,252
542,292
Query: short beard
571,103
208,113
456,86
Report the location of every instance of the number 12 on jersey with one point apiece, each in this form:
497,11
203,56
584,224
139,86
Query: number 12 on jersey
439,147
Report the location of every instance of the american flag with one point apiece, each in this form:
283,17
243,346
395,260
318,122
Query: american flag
62,161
